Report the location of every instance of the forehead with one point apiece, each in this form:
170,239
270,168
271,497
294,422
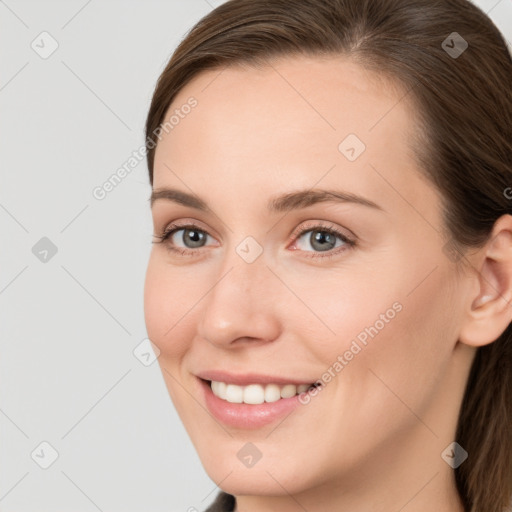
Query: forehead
290,99
319,96
287,123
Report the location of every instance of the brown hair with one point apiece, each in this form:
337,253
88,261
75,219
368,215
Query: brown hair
463,141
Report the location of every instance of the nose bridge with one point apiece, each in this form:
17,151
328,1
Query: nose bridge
243,273
239,303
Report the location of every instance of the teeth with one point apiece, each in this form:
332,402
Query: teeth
234,394
272,393
256,393
288,391
253,394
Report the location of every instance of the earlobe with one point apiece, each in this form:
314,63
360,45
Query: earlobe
490,309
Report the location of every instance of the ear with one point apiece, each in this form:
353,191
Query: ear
489,308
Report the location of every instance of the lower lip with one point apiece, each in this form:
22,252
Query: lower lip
247,415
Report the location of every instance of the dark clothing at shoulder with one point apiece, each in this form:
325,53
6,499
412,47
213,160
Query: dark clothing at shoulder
223,503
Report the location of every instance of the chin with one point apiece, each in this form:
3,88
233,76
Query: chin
256,482
269,475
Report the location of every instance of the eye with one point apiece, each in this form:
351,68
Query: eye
186,239
322,239
183,238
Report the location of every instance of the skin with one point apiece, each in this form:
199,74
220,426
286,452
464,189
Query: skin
372,438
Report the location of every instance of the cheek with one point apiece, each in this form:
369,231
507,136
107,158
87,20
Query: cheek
168,304
337,311
406,358
382,321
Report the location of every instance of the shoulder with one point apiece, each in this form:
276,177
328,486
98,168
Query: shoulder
223,503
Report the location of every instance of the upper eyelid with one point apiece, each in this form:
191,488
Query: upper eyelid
310,225
175,226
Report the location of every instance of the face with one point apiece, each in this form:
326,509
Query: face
267,283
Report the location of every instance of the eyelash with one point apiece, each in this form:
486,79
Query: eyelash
297,234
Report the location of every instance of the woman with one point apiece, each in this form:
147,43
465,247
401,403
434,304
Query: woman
331,278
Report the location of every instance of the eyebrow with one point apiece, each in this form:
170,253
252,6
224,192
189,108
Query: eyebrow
283,203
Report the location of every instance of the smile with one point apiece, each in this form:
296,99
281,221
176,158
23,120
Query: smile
256,393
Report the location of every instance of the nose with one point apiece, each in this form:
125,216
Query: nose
241,306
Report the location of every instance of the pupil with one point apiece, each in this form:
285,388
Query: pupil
194,237
322,240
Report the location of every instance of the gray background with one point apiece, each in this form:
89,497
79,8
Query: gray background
70,321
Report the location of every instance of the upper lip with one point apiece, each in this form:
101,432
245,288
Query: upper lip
248,378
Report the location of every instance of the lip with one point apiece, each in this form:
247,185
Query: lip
246,416
249,378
